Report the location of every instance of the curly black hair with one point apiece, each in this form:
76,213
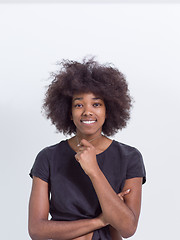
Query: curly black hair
89,76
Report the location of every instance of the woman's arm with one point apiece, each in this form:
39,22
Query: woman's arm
121,215
115,235
42,228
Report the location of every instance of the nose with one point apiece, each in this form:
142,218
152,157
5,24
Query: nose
87,111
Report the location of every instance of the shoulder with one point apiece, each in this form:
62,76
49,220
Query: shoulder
47,154
44,160
134,161
124,149
53,149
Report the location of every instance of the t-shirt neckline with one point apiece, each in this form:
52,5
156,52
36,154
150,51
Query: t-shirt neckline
66,141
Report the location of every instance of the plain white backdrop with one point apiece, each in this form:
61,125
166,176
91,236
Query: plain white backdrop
142,40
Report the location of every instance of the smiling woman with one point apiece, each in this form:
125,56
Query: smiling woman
104,81
91,185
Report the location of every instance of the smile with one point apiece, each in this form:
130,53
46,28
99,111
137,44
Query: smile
88,122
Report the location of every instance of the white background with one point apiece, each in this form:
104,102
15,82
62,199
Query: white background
142,40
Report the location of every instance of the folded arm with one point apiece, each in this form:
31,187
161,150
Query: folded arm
42,228
121,215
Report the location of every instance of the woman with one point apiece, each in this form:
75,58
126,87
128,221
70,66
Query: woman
91,185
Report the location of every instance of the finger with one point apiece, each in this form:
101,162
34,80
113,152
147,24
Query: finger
124,193
77,158
85,143
121,197
82,148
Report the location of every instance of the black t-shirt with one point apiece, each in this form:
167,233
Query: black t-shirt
72,195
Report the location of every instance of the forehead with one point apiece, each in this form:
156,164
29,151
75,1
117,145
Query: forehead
86,96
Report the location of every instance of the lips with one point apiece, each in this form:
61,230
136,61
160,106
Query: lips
88,121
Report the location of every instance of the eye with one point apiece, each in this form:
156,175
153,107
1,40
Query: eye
97,104
78,105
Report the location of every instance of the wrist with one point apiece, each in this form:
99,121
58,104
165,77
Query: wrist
95,174
99,221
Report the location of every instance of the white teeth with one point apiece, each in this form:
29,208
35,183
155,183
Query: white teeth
88,122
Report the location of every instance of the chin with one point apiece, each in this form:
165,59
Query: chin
89,132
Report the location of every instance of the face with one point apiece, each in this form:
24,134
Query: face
88,113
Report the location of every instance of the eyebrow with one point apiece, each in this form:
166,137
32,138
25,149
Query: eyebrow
80,98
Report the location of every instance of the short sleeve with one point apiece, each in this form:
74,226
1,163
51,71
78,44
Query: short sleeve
136,166
41,166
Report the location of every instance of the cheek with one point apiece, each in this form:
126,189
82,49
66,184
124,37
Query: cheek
74,115
102,113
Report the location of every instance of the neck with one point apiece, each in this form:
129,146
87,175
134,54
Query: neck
93,139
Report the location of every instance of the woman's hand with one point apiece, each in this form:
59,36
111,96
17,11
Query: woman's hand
86,156
122,194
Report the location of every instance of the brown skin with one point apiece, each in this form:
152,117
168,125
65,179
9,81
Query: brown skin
120,211
87,106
